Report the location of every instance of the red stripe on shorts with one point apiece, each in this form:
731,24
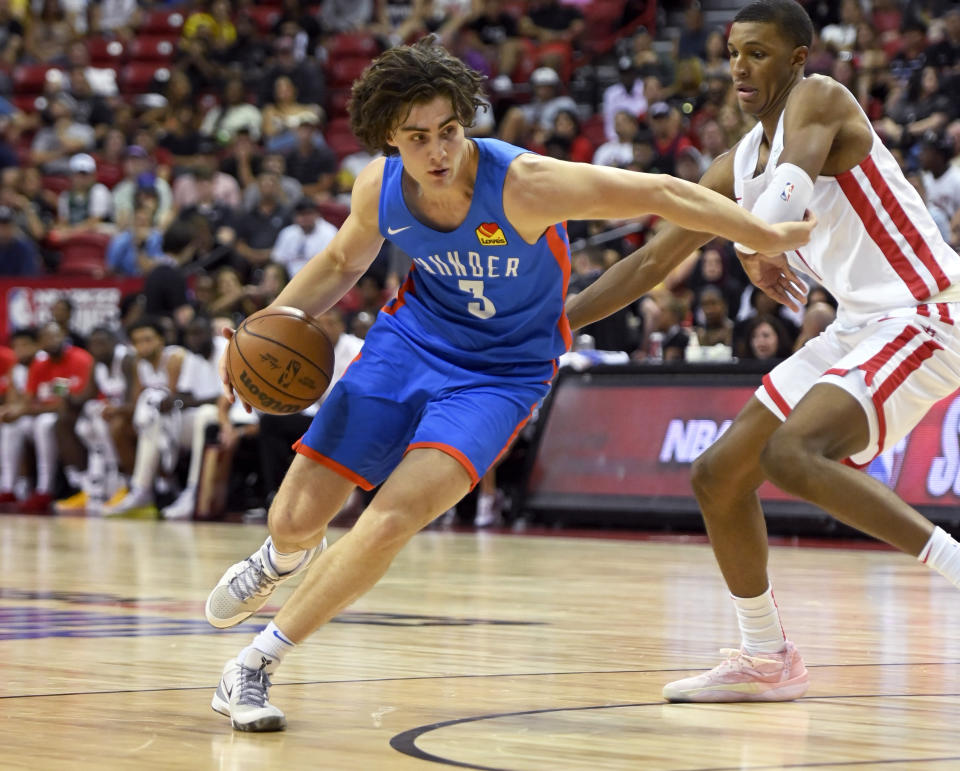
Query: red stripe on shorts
776,395
873,365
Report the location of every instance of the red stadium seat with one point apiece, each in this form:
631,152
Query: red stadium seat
153,48
84,254
333,212
162,22
592,128
30,78
25,102
359,46
105,52
136,77
337,102
342,72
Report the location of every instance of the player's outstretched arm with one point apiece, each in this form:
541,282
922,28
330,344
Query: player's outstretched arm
330,274
554,191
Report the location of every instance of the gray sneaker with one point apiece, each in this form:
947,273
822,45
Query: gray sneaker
243,691
247,585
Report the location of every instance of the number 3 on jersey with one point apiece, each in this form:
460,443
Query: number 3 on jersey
483,309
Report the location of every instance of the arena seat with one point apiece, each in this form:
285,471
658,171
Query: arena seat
342,72
84,254
30,78
333,212
105,52
136,77
153,48
162,22
357,45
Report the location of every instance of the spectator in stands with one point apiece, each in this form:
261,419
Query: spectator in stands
767,338
21,192
103,80
273,279
283,115
136,249
921,106
945,54
273,163
177,93
759,305
305,78
671,313
230,296
716,94
211,22
18,255
297,243
665,123
715,326
257,229
115,18
816,317
165,287
912,56
64,370
180,136
549,22
87,204
352,15
243,159
713,141
715,62
210,220
60,136
626,94
206,167
941,181
491,34
535,119
649,62
311,162
11,36
619,152
49,35
715,268
223,121
842,36
91,108
566,124
689,164
139,173
692,42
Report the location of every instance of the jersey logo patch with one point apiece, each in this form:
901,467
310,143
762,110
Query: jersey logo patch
787,191
491,234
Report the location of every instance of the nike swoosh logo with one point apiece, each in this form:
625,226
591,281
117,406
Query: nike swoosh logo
393,232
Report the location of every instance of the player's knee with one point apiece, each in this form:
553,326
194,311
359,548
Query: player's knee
293,523
711,472
782,459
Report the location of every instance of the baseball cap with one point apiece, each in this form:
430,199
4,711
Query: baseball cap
136,151
305,204
659,110
545,76
81,163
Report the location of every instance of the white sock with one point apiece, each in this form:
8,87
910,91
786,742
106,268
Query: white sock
284,563
270,642
74,476
759,620
942,553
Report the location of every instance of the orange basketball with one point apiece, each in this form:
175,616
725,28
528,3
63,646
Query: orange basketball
280,361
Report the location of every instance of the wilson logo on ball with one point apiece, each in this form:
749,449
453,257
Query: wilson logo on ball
267,402
289,373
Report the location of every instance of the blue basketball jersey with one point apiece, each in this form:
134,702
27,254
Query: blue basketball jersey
479,296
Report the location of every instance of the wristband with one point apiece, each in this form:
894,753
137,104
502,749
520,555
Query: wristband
785,198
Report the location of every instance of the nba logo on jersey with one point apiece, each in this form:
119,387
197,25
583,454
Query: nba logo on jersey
491,234
787,191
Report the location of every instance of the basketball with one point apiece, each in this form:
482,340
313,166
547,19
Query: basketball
280,361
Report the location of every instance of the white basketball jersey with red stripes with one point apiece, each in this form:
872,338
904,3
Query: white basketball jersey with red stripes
875,246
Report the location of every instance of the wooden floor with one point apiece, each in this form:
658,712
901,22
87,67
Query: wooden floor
477,651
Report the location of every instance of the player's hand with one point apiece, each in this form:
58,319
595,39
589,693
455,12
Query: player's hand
791,235
228,333
775,277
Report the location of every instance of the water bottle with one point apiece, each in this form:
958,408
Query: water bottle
655,347
96,479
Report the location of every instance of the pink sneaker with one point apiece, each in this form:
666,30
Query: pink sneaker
744,677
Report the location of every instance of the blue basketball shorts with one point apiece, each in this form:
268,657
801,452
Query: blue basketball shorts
397,397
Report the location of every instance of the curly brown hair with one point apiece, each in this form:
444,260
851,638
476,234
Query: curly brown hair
398,79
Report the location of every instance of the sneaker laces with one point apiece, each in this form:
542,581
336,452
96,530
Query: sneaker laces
254,684
738,660
249,581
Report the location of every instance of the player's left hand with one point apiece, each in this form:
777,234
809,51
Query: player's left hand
775,278
791,235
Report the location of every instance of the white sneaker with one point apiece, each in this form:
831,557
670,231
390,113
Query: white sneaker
243,692
488,510
183,507
247,585
136,503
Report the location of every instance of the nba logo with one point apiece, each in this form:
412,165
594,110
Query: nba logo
289,373
787,191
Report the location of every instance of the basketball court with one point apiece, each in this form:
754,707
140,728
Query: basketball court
483,651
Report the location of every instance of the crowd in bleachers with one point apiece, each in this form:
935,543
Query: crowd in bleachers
206,150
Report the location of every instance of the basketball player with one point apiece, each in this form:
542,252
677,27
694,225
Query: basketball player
63,371
454,365
849,393
82,420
